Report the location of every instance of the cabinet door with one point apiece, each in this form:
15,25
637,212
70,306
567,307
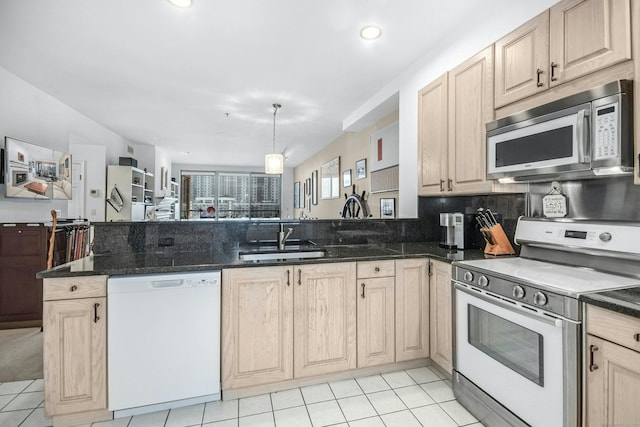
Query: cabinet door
441,315
612,388
588,35
376,334
412,309
325,318
432,137
75,338
470,107
522,61
257,326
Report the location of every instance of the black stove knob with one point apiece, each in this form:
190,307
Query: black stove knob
539,298
468,276
483,281
518,292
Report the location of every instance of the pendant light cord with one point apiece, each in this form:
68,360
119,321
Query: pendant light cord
275,110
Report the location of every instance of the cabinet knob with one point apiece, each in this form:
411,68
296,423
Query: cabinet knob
636,337
73,288
377,269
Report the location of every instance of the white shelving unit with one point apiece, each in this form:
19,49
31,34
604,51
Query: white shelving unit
129,191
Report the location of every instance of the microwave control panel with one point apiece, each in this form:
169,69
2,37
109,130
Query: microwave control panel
606,132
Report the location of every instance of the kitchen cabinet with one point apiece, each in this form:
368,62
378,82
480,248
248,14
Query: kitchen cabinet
129,191
324,318
574,38
612,369
412,309
287,322
441,312
23,252
257,326
75,340
453,111
376,310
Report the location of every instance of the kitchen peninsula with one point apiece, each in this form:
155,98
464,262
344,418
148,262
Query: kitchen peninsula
406,275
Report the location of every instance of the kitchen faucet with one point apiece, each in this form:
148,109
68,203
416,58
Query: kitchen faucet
282,236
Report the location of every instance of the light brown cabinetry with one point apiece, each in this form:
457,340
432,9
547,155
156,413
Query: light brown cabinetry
376,309
453,111
257,326
324,318
613,369
75,340
412,309
280,323
572,39
440,323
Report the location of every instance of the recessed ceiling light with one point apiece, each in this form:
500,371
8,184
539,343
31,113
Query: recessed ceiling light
188,153
181,3
370,32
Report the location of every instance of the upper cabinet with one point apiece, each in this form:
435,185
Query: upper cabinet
453,111
572,39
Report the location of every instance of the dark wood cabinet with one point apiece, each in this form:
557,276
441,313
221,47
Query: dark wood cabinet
23,252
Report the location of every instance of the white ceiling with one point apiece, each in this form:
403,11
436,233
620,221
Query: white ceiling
157,74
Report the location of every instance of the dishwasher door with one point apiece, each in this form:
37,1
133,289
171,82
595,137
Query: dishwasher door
163,341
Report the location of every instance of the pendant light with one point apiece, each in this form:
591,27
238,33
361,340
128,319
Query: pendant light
274,162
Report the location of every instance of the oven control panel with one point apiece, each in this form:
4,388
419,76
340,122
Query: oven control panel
520,292
606,236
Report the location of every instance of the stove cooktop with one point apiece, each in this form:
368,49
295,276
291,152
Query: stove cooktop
562,279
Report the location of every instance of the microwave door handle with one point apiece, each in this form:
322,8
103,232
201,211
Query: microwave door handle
581,131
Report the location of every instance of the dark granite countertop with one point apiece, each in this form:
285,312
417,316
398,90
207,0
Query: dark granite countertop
171,262
624,301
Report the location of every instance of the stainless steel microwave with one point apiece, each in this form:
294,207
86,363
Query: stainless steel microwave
585,135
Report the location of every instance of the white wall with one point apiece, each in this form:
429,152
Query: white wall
471,40
29,114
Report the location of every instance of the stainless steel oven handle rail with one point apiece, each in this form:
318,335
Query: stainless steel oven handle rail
514,306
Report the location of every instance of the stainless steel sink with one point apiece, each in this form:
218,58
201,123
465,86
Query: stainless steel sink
281,255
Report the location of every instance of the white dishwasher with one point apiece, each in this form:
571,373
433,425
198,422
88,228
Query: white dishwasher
163,341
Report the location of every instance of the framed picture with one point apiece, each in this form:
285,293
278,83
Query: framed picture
314,187
361,169
388,208
346,178
308,187
163,178
296,194
20,157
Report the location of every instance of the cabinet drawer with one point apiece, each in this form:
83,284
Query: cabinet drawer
74,287
615,327
376,269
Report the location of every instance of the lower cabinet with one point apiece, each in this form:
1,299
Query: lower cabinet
271,314
376,313
75,341
612,369
257,326
441,312
412,309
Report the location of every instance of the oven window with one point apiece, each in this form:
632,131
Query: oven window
552,144
517,348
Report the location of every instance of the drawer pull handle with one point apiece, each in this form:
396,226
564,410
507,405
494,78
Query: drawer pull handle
592,350
539,83
553,68
299,277
74,288
442,185
95,312
449,184
377,269
362,291
288,277
636,337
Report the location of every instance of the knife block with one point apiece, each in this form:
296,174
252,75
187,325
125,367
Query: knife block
498,244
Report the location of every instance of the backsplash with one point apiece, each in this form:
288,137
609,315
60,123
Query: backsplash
196,236
510,206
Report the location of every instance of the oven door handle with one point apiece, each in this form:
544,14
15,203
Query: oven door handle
480,294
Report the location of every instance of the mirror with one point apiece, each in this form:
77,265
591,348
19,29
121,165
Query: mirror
330,179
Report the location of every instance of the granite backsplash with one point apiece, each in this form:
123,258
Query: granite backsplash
190,236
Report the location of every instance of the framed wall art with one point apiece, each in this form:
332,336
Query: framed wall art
361,169
346,178
388,208
314,187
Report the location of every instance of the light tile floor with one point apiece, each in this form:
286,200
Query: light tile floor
415,397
